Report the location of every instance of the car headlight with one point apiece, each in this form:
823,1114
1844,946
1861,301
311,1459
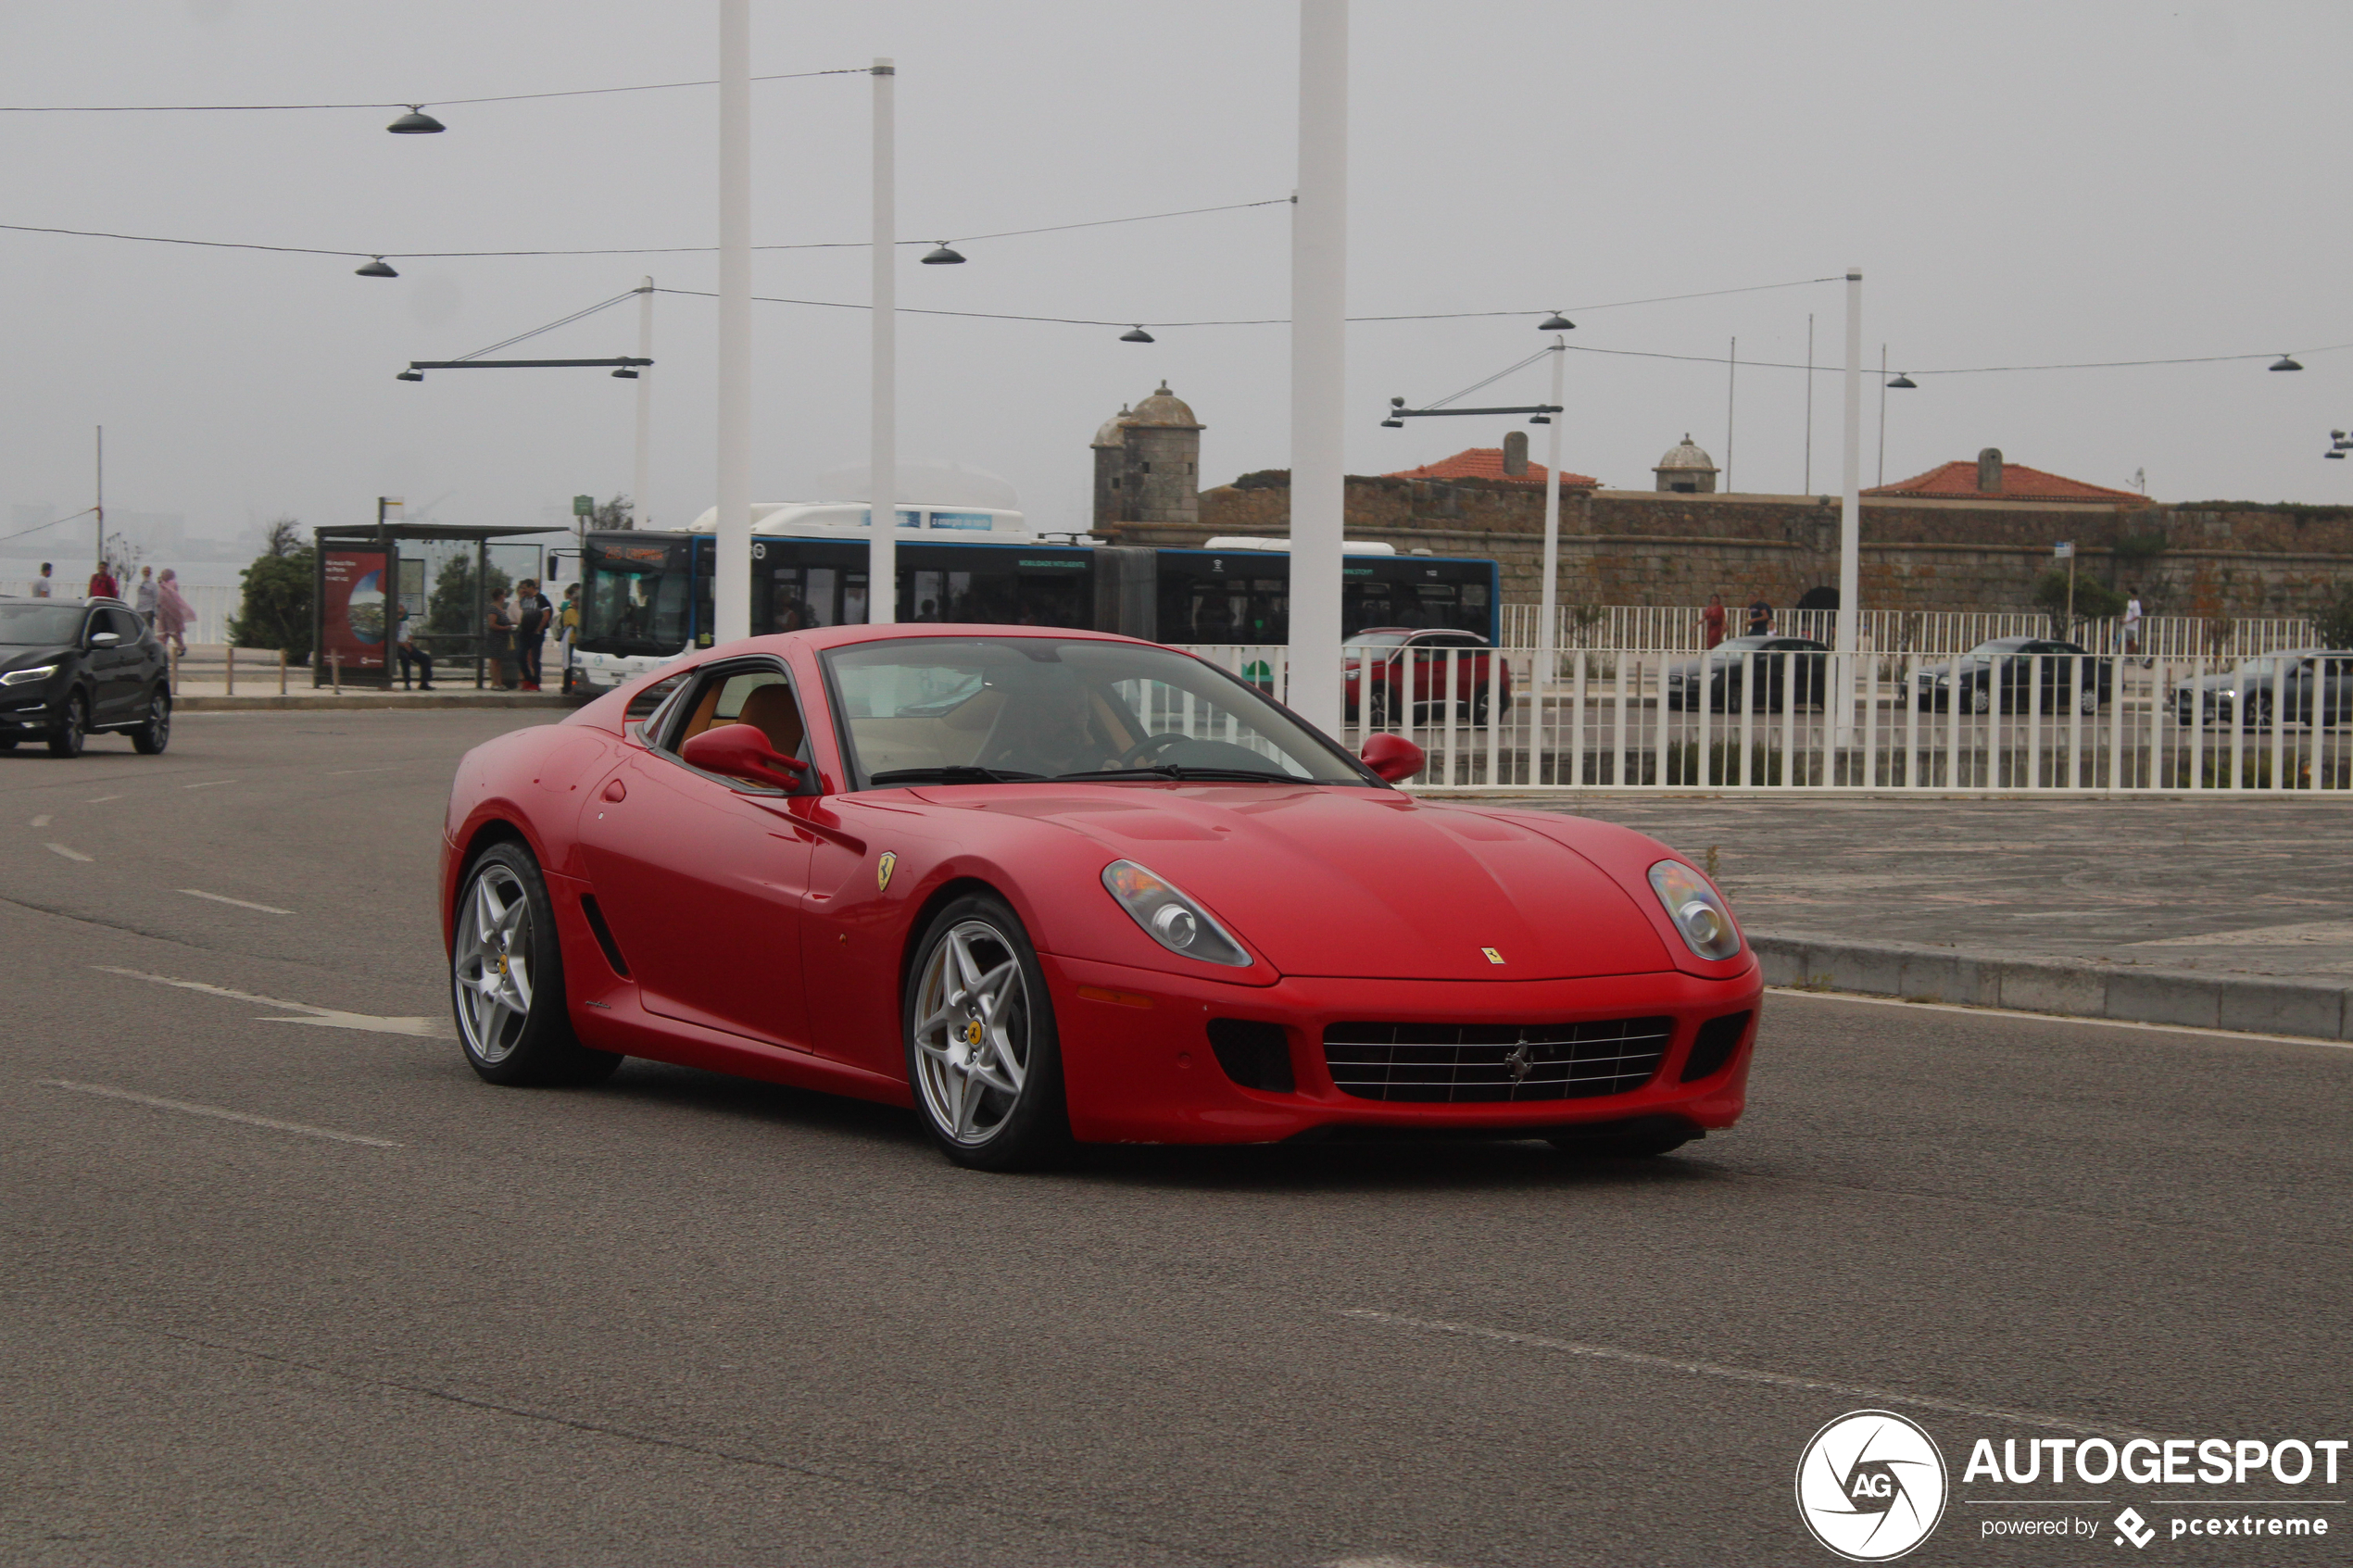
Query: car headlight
26,677
1697,910
1170,919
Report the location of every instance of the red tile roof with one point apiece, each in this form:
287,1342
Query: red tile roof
1486,462
1957,480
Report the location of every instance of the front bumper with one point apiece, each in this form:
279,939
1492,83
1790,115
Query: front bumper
1138,1066
30,710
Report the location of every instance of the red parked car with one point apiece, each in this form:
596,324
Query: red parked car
1047,885
1405,660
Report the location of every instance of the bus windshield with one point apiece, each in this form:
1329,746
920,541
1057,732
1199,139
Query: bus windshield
635,597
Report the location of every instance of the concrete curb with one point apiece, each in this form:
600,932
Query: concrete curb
2068,987
276,704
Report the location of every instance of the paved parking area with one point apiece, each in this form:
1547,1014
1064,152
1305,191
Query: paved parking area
2247,886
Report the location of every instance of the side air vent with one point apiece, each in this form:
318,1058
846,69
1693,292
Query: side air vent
604,935
1255,1055
1718,1038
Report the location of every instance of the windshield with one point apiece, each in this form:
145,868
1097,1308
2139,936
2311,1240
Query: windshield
34,625
1376,640
637,596
984,710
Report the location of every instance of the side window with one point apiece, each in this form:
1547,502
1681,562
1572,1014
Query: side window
760,696
125,624
641,706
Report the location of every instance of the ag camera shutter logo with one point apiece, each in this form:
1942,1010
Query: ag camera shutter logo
1870,1486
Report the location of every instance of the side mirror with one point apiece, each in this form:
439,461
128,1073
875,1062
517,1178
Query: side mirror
1393,757
105,639
741,751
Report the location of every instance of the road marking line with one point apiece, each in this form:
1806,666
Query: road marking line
102,799
340,773
1735,1375
2060,1017
68,854
324,1018
216,1111
209,784
41,820
224,898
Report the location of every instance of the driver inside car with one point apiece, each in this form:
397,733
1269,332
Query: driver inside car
1047,730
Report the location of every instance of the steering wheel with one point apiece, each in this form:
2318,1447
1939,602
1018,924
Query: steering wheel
1148,747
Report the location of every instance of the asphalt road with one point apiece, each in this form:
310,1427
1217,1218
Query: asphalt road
682,1319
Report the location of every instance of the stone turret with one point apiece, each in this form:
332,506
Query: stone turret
1148,463
1687,469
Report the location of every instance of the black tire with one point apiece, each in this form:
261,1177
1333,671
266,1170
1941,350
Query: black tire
67,739
1031,1128
541,1049
155,734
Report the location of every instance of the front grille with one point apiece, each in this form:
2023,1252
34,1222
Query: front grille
1475,1064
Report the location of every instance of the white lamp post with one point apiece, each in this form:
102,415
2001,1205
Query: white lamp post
882,527
1547,633
1850,513
731,571
641,519
1318,362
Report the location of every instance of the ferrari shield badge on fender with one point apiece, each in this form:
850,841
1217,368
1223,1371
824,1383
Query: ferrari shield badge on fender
1492,956
883,869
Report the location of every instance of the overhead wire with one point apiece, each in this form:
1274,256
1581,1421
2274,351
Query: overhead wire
408,103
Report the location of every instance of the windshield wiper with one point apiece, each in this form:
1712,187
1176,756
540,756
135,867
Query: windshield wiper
1175,771
954,773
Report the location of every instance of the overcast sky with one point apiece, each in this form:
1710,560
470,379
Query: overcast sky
2021,183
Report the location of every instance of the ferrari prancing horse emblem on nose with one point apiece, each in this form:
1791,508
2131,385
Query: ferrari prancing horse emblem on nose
883,869
1492,956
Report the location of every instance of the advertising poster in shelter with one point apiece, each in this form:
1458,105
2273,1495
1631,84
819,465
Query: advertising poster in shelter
352,612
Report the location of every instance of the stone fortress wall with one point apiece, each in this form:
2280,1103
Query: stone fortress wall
1677,547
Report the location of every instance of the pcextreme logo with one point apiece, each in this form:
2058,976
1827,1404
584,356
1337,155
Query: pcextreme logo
1870,1486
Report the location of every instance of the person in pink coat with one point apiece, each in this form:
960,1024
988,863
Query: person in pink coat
173,612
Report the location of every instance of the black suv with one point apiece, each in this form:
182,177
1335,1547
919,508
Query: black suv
70,667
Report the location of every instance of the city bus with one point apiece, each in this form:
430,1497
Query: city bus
647,596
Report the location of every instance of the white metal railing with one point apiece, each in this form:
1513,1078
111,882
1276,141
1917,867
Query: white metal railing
1613,718
1677,627
213,604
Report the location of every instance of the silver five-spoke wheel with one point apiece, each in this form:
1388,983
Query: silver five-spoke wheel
972,1032
491,969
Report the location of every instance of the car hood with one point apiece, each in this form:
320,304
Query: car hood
20,656
1358,882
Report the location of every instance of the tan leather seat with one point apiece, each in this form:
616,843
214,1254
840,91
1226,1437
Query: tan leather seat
777,715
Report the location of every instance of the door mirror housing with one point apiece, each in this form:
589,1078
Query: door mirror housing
742,751
105,639
1393,757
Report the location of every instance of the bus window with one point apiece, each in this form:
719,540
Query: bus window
704,555
637,597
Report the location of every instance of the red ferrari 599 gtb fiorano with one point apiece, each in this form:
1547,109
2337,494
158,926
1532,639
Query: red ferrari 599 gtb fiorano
1049,886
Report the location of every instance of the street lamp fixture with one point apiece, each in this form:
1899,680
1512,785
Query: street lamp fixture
1540,419
410,375
416,122
1555,323
943,255
2286,362
1903,383
625,363
376,268
1137,334
1398,412
624,373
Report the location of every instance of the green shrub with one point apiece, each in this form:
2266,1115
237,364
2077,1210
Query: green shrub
2093,599
279,592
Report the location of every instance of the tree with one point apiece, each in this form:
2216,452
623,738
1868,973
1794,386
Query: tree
2335,622
2093,599
279,598
619,512
451,608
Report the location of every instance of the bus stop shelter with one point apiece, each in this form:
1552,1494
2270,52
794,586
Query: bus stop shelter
437,577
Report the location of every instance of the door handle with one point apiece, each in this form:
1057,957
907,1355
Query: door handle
616,790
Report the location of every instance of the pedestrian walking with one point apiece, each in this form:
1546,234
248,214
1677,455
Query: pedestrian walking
143,596
499,651
2133,622
1711,621
173,612
1760,617
41,584
405,644
103,584
568,628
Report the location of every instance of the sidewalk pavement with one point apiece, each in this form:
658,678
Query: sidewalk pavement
257,694
2234,914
